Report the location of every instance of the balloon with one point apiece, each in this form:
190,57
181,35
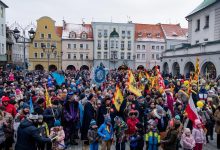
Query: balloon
200,104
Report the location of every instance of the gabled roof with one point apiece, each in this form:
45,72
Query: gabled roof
174,31
59,30
2,3
149,32
203,5
78,29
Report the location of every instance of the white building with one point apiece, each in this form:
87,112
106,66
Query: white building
149,45
3,57
204,43
77,46
113,44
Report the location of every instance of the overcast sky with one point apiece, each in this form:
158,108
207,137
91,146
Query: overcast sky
139,11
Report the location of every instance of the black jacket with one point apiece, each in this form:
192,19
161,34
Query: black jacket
28,135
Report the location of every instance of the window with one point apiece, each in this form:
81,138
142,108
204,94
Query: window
129,56
114,55
122,45
153,47
105,55
48,45
129,34
158,35
99,55
197,25
158,47
143,47
112,44
105,45
69,46
138,47
41,55
68,56
129,45
74,56
99,33
162,47
157,57
143,56
35,55
152,56
41,35
2,12
116,44
122,55
123,34
35,45
84,36
45,27
81,56
74,46
81,46
149,35
206,22
2,29
72,35
87,56
138,56
105,33
3,48
41,45
49,36
197,42
99,44
87,46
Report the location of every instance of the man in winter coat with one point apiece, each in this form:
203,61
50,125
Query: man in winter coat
8,107
28,134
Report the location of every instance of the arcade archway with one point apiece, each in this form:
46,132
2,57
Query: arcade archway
189,67
176,69
209,70
84,67
52,68
39,67
70,67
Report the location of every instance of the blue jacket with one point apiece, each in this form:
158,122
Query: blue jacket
102,131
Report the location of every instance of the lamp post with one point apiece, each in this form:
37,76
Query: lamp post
48,52
21,38
60,60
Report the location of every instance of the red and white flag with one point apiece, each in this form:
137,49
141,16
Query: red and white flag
191,110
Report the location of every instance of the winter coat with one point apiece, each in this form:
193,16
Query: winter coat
137,140
199,135
28,136
170,141
92,135
59,143
120,132
2,134
49,116
131,125
104,133
217,121
152,137
89,114
11,109
187,142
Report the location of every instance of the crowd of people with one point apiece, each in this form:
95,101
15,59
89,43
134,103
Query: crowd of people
81,110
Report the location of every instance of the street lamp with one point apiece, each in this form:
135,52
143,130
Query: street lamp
24,40
48,52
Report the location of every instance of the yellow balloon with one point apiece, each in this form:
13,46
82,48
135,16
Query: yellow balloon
200,104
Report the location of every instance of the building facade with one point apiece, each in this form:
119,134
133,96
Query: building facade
45,51
3,56
77,46
114,44
204,43
149,45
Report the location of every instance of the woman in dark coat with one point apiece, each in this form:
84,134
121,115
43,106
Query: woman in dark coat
89,114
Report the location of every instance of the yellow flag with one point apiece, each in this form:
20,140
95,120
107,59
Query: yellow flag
132,85
197,70
48,100
118,98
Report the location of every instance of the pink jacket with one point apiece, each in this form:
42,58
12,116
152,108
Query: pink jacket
60,138
199,135
188,142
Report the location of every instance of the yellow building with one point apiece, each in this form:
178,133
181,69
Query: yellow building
45,51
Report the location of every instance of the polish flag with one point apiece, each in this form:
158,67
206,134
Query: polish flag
191,110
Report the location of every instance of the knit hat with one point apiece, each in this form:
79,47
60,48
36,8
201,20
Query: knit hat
197,122
25,105
57,123
90,97
40,117
5,99
177,117
92,123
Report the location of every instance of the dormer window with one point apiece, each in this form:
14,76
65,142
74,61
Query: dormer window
158,35
72,35
149,35
139,34
84,35
174,34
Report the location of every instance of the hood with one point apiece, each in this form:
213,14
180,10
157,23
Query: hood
26,123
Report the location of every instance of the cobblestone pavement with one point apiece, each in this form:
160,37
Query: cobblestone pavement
209,146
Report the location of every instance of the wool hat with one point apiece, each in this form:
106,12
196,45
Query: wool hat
92,122
25,105
197,122
177,117
5,99
57,123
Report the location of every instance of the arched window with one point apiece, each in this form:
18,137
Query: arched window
84,35
72,34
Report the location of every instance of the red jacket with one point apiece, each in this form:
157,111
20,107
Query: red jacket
11,109
131,125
